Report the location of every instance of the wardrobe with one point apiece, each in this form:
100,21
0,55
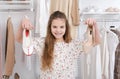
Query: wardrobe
85,66
16,10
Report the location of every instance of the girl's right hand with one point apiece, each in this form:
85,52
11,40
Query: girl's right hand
26,24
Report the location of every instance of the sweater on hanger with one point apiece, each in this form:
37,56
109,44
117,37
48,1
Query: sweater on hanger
10,49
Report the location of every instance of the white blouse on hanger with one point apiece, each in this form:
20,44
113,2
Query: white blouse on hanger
112,45
108,46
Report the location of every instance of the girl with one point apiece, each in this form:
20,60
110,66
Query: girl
57,51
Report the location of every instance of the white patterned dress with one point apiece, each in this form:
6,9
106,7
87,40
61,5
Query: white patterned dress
65,56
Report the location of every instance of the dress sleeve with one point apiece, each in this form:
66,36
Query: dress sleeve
38,44
78,47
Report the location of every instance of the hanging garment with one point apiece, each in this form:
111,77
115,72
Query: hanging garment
42,15
117,63
10,49
107,54
104,56
112,45
70,8
117,58
0,54
91,62
98,63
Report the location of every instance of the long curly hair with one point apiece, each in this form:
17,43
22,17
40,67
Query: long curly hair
48,51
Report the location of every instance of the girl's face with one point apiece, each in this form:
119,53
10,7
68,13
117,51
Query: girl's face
58,28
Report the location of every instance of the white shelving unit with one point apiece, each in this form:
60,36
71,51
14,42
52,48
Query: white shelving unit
26,5
15,2
106,19
101,16
100,13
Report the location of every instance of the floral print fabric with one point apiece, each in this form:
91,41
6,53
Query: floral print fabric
65,56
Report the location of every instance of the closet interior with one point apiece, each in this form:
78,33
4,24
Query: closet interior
101,63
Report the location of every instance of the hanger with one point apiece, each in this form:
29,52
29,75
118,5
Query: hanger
9,16
106,29
113,28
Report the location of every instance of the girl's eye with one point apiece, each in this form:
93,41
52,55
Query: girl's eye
61,26
54,26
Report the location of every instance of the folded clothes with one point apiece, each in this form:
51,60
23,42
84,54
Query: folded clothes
111,9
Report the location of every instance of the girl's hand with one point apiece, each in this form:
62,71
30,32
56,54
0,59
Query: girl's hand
90,22
26,24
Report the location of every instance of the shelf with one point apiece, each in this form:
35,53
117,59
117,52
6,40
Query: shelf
101,16
100,13
15,2
16,10
7,6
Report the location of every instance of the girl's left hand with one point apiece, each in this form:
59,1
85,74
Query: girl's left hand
90,22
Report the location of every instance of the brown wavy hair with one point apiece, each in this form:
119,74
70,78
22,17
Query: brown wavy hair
48,51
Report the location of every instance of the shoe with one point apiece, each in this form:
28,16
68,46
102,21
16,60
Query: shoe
27,47
16,76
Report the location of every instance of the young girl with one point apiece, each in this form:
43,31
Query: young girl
57,51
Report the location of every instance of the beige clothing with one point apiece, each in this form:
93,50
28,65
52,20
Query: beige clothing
10,52
70,8
75,13
0,55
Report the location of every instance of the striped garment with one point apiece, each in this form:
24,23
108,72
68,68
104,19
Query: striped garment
117,57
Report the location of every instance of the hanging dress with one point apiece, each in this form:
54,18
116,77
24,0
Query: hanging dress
117,58
0,54
112,44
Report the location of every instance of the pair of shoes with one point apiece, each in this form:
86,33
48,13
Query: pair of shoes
16,76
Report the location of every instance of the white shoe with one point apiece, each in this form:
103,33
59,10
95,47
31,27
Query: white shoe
27,47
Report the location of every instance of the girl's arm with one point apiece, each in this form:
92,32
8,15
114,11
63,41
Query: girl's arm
92,35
